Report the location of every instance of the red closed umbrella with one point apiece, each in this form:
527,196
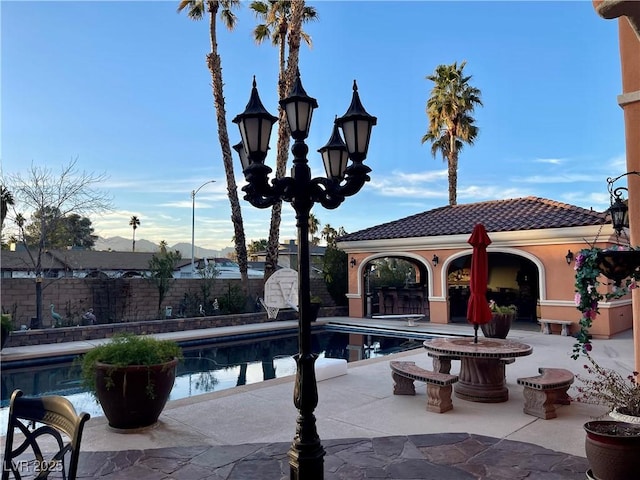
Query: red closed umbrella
478,311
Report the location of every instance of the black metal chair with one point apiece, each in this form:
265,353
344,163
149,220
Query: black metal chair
43,424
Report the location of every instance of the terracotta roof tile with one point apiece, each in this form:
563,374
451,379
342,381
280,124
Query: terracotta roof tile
528,213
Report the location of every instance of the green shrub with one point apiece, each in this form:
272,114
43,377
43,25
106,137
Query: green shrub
126,349
234,301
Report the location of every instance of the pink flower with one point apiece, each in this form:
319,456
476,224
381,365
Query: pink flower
577,298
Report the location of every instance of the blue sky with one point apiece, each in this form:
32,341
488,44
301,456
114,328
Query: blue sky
123,87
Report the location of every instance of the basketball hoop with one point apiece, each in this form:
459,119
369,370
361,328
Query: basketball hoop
272,312
280,291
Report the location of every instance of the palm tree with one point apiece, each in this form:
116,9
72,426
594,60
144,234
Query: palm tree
329,234
256,246
314,224
6,200
196,11
134,223
451,125
278,18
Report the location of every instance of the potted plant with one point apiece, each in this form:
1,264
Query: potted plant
611,446
6,327
502,317
607,387
131,376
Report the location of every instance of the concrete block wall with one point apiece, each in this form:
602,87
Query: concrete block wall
125,300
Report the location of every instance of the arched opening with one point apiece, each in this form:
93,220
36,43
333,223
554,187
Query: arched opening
513,280
395,285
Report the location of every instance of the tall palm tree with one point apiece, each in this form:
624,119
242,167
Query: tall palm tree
451,125
314,225
196,10
134,223
6,200
278,18
329,234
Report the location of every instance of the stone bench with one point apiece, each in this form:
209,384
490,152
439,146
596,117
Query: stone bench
545,325
438,384
544,391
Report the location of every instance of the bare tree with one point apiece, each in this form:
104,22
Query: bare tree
41,189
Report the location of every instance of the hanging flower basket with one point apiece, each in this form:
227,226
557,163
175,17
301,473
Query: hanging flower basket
620,264
617,265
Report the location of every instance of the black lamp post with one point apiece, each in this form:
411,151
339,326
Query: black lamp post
255,123
618,209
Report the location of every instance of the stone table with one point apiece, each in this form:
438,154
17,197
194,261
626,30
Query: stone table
482,364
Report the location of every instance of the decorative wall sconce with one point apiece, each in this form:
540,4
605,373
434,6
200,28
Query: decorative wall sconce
619,209
435,260
569,257
353,262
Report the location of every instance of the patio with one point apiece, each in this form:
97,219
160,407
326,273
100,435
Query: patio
366,430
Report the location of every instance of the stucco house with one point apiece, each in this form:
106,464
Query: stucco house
531,260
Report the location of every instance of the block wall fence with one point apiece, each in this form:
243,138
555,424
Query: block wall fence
122,300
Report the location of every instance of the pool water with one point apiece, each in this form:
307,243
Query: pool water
206,368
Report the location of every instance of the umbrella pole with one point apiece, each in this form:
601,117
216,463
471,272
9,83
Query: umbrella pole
475,331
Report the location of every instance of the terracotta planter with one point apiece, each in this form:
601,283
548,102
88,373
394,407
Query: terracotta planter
499,325
612,449
134,396
617,265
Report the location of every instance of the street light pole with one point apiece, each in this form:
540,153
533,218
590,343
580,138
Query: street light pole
255,123
193,224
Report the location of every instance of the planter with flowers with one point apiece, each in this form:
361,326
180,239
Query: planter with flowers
611,446
590,264
502,317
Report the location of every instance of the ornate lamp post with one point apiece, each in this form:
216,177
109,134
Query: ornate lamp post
255,123
193,224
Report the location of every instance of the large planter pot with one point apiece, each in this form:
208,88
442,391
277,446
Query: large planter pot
499,325
612,449
134,396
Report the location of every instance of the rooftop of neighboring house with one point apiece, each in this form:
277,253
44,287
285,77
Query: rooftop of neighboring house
518,214
291,248
81,260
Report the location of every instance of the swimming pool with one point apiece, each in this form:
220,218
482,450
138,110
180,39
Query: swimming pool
208,366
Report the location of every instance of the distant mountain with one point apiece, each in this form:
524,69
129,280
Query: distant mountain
121,244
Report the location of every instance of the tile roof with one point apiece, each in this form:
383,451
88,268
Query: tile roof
527,213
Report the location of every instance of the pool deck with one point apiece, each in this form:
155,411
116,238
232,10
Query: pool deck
367,432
